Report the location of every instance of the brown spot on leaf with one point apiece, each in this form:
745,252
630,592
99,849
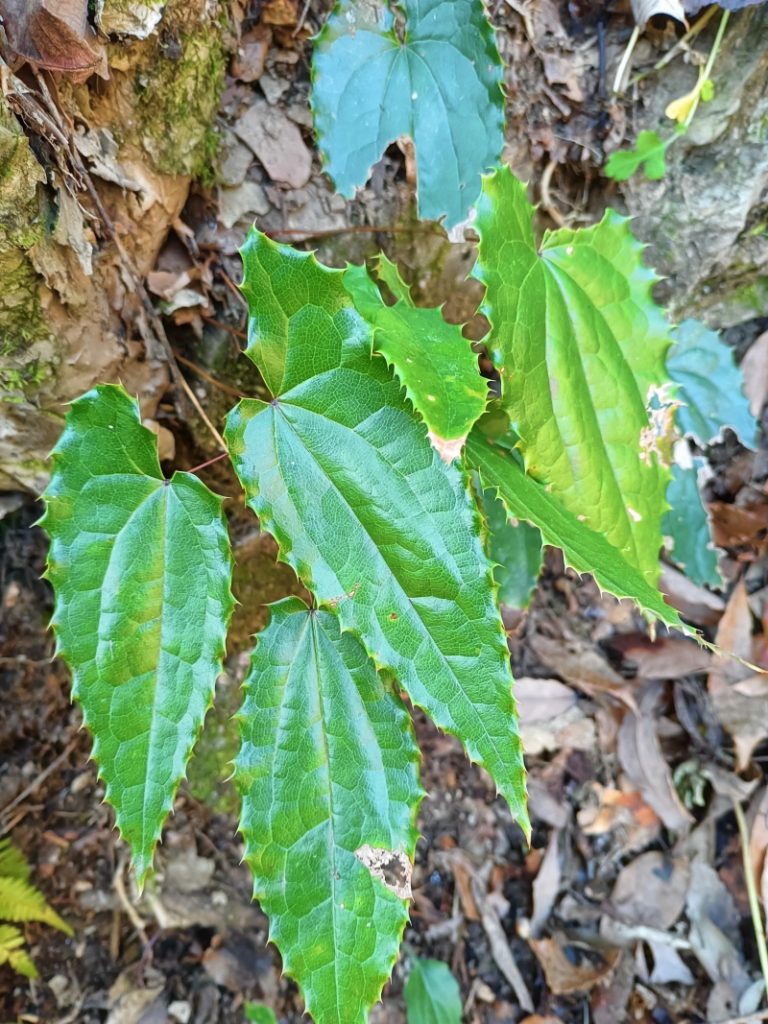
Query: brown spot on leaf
391,867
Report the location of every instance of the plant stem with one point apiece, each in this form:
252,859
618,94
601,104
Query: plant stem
752,894
708,66
626,57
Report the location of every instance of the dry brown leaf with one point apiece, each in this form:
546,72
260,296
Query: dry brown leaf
581,666
641,758
546,885
715,929
758,842
754,367
277,142
696,604
539,700
624,811
668,657
55,35
736,525
651,890
609,1000
563,976
738,694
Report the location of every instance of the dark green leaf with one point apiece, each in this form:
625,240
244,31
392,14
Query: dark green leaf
709,385
340,471
141,568
432,993
687,526
328,775
516,548
441,86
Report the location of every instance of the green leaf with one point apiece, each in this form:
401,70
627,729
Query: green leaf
709,385
516,547
12,953
432,993
580,347
13,864
20,901
583,548
687,525
141,568
432,359
328,775
442,86
341,473
260,1013
649,153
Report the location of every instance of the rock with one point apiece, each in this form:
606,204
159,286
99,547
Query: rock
277,142
237,203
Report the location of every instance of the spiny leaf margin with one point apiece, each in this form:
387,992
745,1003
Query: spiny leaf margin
106,479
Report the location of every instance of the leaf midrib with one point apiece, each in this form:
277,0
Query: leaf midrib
502,758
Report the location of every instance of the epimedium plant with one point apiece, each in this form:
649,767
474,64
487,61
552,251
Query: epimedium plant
371,463
391,477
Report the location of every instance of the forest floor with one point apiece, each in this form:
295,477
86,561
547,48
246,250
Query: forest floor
631,903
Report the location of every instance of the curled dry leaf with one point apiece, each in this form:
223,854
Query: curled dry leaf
55,35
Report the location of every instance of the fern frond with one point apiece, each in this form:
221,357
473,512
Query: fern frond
20,901
13,953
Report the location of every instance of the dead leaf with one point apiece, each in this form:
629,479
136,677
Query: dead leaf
696,604
280,12
651,890
668,966
540,700
714,932
277,142
609,1000
640,757
563,976
754,367
580,665
738,525
758,844
644,10
546,885
667,657
738,694
55,35
624,812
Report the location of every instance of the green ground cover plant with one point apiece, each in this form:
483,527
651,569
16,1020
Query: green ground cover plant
390,471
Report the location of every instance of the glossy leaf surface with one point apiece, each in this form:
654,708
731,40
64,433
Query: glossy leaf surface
709,385
432,359
328,776
432,993
441,86
340,471
141,568
580,347
584,549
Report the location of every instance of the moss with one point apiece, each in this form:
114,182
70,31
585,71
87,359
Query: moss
178,98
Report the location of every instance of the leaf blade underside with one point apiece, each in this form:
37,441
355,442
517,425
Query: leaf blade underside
141,568
442,86
327,770
339,470
580,348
